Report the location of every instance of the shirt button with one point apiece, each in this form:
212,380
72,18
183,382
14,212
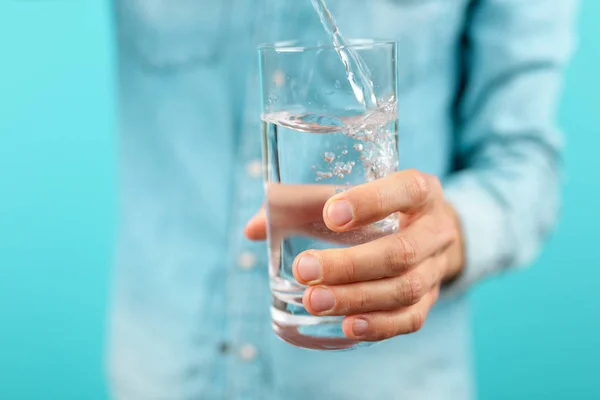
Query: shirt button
248,352
254,168
247,260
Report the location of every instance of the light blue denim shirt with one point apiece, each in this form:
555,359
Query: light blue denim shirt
478,86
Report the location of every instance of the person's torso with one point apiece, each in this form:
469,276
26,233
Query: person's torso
191,302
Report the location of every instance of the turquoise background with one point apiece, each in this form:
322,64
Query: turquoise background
536,331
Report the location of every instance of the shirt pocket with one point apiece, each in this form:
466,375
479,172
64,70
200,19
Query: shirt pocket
173,33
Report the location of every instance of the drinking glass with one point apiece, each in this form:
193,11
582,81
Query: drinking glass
320,139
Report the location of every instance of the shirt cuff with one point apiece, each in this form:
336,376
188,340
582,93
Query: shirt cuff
485,230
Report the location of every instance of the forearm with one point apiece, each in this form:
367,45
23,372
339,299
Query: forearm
504,218
505,188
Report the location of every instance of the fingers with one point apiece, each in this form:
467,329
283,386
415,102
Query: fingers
383,325
256,228
406,191
379,295
292,208
389,256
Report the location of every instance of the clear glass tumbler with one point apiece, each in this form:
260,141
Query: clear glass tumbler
319,139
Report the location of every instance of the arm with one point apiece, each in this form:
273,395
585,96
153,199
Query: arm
506,187
494,211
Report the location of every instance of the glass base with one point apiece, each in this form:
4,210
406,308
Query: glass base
309,332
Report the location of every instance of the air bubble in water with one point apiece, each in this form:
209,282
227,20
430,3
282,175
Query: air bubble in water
328,157
323,175
347,168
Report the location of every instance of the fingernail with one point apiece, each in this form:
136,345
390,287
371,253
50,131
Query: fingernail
309,268
359,327
340,212
321,300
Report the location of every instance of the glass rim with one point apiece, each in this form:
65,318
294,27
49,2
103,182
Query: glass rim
300,46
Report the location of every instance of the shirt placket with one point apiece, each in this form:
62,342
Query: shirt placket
247,279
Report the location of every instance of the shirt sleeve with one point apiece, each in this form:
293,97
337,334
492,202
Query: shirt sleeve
508,157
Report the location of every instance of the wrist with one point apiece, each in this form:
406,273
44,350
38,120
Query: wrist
456,251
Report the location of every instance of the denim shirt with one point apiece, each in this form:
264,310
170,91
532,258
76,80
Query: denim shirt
478,85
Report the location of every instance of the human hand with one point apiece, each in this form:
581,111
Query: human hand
297,210
387,286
